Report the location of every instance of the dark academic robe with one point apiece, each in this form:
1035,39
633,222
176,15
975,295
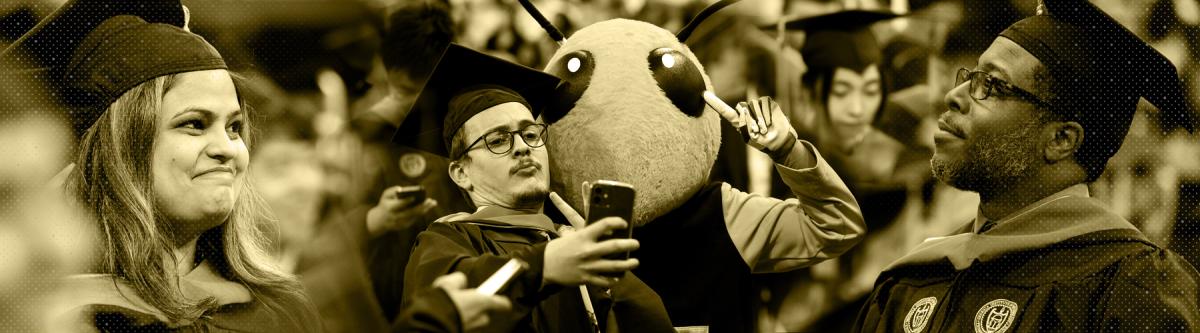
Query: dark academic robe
430,311
102,303
478,244
1062,264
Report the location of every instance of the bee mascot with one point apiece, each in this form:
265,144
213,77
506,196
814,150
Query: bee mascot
632,108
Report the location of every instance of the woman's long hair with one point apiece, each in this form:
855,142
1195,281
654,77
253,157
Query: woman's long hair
135,243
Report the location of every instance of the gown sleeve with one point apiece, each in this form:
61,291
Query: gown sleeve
1153,292
445,248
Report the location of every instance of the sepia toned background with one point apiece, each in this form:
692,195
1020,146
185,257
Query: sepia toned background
314,66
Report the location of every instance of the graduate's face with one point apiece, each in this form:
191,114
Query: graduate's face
199,159
517,179
986,145
854,98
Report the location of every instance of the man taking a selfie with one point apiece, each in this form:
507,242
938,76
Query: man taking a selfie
498,159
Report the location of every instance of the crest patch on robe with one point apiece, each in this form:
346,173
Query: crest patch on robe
919,315
995,316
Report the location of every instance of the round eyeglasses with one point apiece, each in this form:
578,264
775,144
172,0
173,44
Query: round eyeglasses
984,84
500,141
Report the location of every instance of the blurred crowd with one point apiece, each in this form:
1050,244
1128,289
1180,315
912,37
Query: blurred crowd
324,94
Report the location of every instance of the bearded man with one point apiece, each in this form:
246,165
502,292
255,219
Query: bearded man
1049,103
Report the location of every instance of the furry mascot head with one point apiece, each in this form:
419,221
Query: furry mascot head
631,110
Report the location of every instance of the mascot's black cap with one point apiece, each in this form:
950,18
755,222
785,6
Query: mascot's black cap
464,83
1101,71
840,39
90,52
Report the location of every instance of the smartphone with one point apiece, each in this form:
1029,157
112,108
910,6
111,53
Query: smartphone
414,194
501,277
606,198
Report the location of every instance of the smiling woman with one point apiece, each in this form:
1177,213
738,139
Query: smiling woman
199,158
163,173
162,162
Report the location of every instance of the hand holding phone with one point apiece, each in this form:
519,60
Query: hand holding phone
475,310
399,207
606,198
580,257
411,195
501,277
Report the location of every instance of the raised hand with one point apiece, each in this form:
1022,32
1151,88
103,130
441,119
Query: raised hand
577,257
768,128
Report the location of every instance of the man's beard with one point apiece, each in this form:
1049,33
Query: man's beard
532,197
991,162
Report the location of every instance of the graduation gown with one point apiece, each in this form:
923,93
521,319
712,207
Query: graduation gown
1063,264
479,244
102,303
431,311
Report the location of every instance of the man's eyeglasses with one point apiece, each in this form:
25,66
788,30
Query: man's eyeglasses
984,84
500,141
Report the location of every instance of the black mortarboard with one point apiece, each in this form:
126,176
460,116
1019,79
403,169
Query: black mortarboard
1101,71
464,83
90,52
840,39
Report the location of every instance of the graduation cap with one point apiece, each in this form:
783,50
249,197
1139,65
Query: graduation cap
90,52
840,39
1101,70
464,83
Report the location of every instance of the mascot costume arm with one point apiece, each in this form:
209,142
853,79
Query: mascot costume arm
775,235
631,109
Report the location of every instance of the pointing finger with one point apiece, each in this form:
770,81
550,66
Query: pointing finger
723,109
744,112
572,216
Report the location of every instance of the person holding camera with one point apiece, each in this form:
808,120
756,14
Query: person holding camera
498,159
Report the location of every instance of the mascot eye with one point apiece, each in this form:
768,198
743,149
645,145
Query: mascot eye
679,79
575,69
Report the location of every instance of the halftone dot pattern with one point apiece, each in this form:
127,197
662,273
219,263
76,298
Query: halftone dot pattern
1153,180
34,142
1149,182
59,82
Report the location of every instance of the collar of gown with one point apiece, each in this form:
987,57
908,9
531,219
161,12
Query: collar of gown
505,216
83,290
1079,190
1055,218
